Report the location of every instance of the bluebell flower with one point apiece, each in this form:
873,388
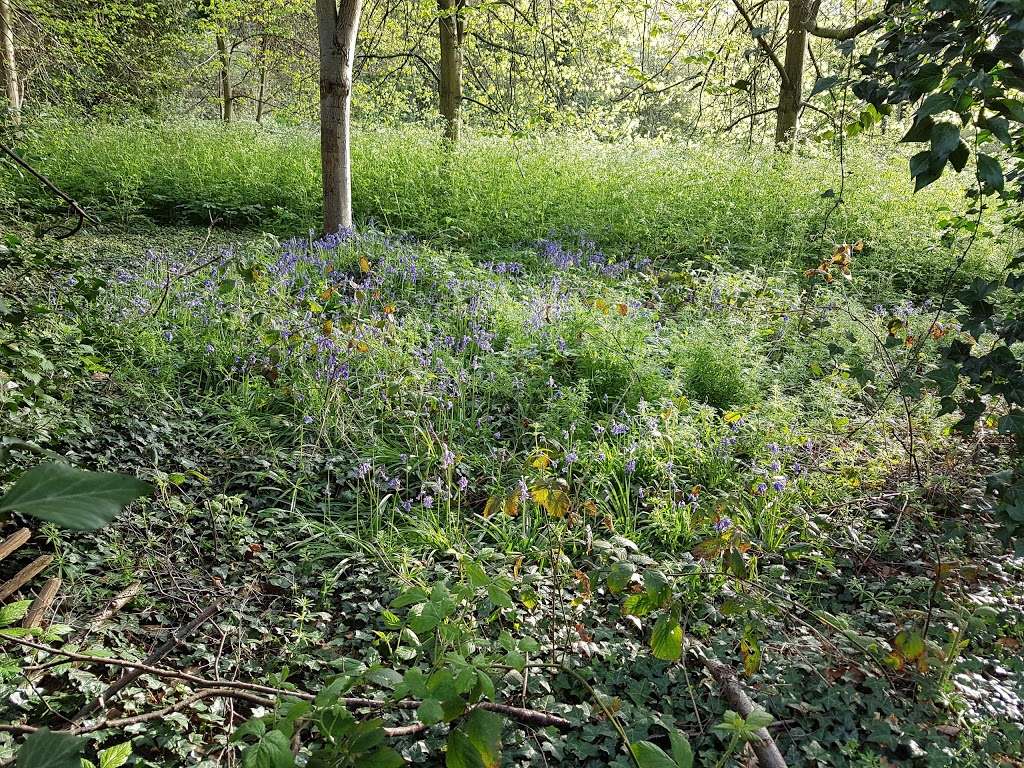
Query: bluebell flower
722,524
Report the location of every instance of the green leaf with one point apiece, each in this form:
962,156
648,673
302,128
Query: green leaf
650,755
13,612
116,756
271,751
385,757
45,749
990,172
757,719
667,638
823,84
70,497
430,712
499,597
682,752
619,577
945,137
476,743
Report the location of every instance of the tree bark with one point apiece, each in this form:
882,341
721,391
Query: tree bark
10,63
452,33
261,94
227,97
791,86
337,26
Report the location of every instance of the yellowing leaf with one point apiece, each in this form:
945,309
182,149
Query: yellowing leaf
362,346
622,308
492,506
541,460
511,505
554,500
364,265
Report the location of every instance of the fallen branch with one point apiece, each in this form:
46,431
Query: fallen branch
24,576
37,611
158,653
767,752
72,203
250,691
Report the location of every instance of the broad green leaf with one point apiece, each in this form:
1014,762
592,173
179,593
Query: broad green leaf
619,577
682,752
667,638
758,719
70,497
990,172
116,756
385,757
430,712
271,751
499,597
476,743
945,137
650,755
46,749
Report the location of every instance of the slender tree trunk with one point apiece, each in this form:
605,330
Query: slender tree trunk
227,97
452,31
10,64
338,27
792,87
262,92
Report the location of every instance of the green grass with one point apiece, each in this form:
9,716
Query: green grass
685,203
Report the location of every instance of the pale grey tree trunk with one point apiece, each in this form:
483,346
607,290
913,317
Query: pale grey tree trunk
10,63
337,26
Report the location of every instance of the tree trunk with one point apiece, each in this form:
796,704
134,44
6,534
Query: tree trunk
227,98
10,64
337,28
452,32
261,94
791,89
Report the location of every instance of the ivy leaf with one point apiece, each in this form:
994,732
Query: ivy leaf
45,749
650,755
667,638
70,497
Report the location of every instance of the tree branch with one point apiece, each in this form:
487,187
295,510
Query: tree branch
761,41
846,33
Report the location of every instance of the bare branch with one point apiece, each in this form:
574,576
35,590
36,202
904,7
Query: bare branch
761,41
846,33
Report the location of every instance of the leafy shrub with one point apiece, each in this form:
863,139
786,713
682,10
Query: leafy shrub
714,374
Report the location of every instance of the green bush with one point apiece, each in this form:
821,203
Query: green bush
713,374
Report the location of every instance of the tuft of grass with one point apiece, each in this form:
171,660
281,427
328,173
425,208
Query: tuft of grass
713,374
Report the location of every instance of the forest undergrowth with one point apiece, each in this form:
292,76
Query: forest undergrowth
574,446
